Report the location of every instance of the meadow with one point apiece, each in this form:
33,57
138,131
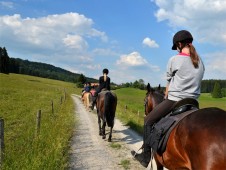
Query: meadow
21,97
133,100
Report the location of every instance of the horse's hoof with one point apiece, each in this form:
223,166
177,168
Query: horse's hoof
100,134
109,140
103,137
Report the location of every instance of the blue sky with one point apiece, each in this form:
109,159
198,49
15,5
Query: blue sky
132,38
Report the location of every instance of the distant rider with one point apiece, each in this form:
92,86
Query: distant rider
104,83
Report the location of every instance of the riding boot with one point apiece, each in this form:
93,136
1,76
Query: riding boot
145,156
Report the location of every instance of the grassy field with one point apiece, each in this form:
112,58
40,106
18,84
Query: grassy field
21,97
134,100
206,100
130,108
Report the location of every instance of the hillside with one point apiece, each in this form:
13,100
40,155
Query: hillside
44,70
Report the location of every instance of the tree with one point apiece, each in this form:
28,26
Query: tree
81,80
141,84
4,61
223,92
136,84
216,90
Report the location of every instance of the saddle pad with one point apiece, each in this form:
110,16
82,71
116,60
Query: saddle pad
162,130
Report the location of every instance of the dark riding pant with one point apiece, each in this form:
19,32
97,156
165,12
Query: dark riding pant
158,112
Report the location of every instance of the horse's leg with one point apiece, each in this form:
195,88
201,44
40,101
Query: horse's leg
99,123
158,164
110,134
90,100
103,130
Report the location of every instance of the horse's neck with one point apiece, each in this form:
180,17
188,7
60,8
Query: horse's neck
157,98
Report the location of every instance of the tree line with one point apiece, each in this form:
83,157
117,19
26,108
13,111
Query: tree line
19,66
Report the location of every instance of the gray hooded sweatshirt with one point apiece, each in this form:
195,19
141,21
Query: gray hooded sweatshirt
183,78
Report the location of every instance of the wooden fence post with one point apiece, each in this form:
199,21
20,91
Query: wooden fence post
125,108
52,106
61,100
38,122
1,141
64,94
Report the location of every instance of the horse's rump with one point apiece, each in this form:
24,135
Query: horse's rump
106,106
199,138
109,108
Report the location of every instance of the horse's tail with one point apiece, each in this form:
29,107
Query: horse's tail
109,108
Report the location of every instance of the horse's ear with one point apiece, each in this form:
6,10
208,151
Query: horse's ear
148,87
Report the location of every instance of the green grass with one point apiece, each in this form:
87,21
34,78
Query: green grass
133,116
130,108
125,164
206,100
21,97
115,145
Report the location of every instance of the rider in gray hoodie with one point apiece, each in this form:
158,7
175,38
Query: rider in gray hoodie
184,75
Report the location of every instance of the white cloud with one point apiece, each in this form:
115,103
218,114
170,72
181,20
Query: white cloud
7,4
132,59
150,43
75,41
52,32
204,18
61,39
133,66
215,65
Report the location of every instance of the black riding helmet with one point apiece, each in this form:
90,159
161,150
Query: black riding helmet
181,36
105,71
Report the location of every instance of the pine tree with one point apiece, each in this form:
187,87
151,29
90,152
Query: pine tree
217,91
4,61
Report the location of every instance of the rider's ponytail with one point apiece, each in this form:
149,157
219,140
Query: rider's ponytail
105,77
194,56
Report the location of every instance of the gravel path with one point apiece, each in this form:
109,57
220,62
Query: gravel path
90,152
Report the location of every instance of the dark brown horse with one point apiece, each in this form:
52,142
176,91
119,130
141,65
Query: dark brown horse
198,142
106,106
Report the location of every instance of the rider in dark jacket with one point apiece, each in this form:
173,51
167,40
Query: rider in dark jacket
104,83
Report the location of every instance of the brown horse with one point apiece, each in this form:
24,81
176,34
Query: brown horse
197,142
106,106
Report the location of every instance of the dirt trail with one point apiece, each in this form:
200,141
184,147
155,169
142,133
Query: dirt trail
90,151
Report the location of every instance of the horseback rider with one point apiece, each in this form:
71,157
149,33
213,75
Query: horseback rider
184,74
104,83
87,88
